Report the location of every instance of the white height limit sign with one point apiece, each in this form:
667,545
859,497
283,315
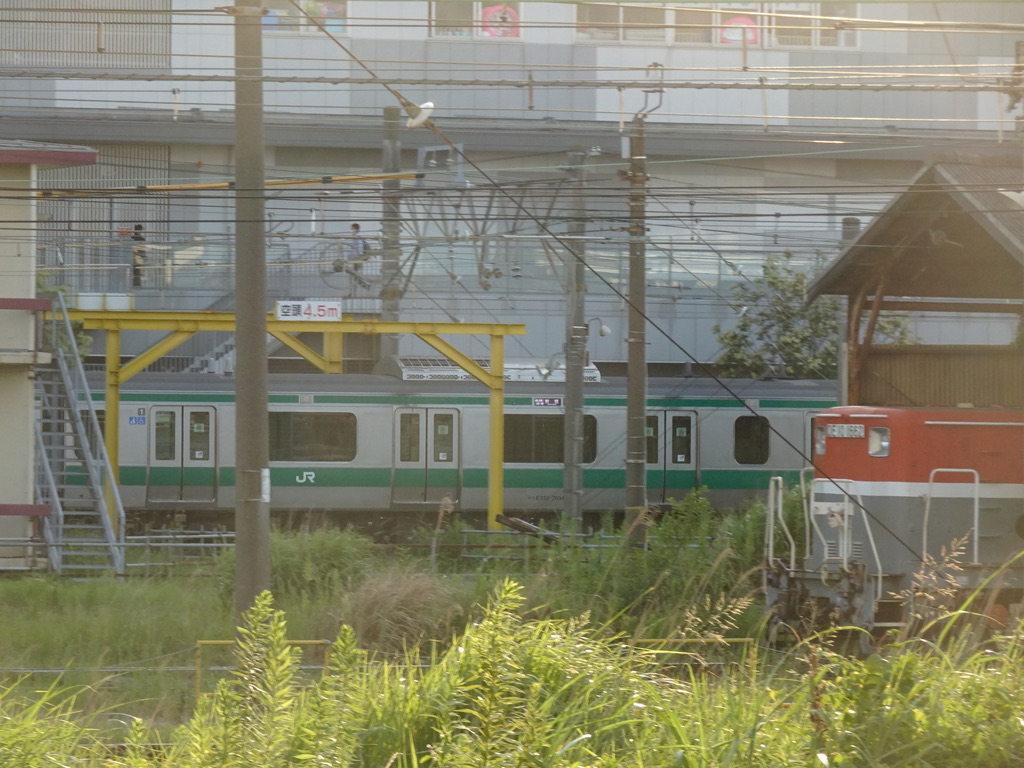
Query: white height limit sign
308,310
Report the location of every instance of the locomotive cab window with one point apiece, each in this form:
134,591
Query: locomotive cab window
751,435
312,436
532,438
878,441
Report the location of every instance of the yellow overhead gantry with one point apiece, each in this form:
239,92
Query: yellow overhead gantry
183,325
142,189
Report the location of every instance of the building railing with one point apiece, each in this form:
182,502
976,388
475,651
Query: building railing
313,266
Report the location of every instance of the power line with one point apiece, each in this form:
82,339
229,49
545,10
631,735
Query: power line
761,84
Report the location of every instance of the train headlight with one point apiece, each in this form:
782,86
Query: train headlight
878,441
819,440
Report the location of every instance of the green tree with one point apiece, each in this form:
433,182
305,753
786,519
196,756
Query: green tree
55,335
779,333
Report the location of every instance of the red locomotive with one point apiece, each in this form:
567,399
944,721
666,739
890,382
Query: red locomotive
892,490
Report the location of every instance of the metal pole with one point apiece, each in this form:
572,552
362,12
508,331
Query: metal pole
636,364
391,290
575,350
496,449
252,476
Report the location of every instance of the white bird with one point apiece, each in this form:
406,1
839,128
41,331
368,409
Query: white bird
418,115
1015,195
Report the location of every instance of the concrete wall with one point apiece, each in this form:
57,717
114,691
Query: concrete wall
16,340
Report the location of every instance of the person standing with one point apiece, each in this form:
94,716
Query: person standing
357,255
138,256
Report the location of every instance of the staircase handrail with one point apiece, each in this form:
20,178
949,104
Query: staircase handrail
79,393
53,524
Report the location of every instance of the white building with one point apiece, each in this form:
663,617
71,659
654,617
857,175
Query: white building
769,125
20,320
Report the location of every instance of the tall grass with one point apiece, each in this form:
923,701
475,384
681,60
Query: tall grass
472,669
696,576
43,730
554,692
132,641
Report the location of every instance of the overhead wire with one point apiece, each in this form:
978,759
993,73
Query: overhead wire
406,103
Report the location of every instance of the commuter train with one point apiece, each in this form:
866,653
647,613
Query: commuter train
894,492
370,447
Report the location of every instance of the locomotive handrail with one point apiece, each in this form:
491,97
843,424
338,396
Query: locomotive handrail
805,502
776,498
874,550
977,503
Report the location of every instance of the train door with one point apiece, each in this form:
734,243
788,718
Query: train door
427,456
182,454
671,455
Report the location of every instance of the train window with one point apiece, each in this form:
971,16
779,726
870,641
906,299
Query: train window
589,439
444,437
90,433
199,435
681,439
751,435
819,439
409,437
165,435
878,441
312,436
652,439
539,438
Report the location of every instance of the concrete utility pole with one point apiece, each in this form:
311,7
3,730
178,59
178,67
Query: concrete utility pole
575,347
636,362
391,291
252,475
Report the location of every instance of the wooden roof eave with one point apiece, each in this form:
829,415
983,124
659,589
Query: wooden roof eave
978,210
828,282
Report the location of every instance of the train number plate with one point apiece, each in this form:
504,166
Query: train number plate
845,430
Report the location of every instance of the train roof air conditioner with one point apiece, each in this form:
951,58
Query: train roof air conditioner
442,369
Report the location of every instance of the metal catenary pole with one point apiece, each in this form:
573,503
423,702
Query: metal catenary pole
575,347
252,476
636,363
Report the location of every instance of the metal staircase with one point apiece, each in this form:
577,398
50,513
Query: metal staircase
84,531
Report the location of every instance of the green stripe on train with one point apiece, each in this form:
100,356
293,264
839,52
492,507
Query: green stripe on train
170,477
346,477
